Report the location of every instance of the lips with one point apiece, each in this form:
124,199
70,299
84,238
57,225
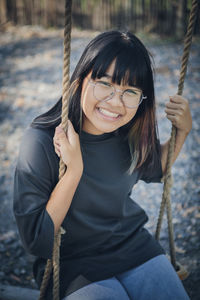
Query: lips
112,112
105,116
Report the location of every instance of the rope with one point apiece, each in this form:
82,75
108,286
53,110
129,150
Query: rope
62,167
168,176
55,262
45,279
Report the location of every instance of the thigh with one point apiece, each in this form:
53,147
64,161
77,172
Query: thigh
154,280
109,289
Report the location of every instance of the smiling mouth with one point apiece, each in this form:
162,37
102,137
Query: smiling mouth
107,114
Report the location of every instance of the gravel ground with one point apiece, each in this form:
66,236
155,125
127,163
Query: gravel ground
31,81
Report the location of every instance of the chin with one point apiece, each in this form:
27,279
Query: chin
107,130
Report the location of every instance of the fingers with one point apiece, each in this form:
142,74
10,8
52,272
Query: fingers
178,112
174,112
173,105
59,139
56,145
176,99
176,121
175,116
62,139
174,109
60,136
176,106
57,152
173,119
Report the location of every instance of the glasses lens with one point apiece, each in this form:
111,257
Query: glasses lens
131,97
103,90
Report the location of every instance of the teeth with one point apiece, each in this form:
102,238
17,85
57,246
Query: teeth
108,113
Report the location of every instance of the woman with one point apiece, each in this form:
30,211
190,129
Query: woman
111,143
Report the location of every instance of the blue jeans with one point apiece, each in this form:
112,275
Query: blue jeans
153,280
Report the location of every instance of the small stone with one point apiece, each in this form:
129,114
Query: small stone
2,248
2,274
17,271
23,271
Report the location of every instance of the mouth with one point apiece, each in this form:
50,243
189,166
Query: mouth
107,114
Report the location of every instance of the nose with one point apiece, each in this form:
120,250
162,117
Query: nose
116,99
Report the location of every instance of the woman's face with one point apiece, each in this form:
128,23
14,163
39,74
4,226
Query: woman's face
95,117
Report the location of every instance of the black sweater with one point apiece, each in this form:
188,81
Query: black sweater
105,232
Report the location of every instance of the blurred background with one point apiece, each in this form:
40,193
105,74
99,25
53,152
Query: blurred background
165,17
31,62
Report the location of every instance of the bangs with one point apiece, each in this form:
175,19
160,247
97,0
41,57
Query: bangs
130,64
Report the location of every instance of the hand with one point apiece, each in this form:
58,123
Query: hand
68,147
178,112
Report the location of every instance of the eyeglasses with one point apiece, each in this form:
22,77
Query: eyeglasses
104,91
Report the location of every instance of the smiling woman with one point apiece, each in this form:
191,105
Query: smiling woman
124,58
111,143
104,109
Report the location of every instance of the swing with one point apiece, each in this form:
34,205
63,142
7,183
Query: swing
54,262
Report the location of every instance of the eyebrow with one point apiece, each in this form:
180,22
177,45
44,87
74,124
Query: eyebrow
132,87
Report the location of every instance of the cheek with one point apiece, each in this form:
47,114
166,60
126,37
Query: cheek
88,102
130,115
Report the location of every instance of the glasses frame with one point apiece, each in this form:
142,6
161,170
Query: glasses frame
142,97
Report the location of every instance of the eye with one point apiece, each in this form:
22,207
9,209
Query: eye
104,83
131,92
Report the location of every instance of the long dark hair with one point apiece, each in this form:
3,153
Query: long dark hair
133,67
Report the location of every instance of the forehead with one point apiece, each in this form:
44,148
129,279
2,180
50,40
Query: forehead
117,72
111,69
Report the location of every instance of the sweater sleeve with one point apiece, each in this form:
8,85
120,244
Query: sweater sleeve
154,172
34,180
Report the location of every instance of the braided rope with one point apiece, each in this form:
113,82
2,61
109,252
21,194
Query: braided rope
55,262
45,279
168,176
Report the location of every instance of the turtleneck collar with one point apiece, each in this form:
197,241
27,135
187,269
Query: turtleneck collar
88,137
